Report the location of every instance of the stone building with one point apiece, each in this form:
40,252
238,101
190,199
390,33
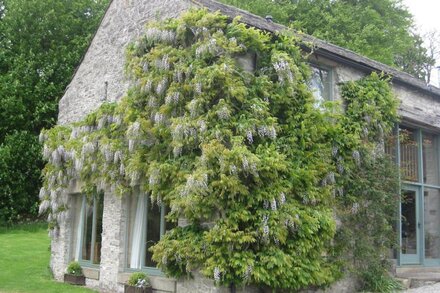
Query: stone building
107,253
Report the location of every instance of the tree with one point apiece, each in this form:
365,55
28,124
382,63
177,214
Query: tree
41,43
432,41
417,59
379,29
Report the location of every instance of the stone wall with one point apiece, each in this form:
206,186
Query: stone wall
101,74
112,242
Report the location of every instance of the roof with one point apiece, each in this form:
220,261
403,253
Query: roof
321,47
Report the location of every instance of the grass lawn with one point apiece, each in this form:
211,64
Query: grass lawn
24,260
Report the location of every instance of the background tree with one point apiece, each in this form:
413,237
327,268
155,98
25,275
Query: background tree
41,43
432,41
379,29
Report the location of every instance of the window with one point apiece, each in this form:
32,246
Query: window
409,154
146,226
89,232
320,84
419,159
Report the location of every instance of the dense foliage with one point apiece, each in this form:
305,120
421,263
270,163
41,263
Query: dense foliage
41,43
247,157
368,209
379,29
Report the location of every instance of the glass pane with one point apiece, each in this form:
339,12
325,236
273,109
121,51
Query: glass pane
409,160
319,84
153,232
87,234
409,222
132,207
98,233
430,159
432,223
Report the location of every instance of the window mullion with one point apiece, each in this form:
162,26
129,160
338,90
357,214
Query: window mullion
162,220
144,232
420,156
80,232
92,244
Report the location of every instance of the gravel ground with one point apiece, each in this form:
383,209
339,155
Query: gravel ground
435,288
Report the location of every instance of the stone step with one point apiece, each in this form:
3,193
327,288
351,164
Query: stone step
415,277
417,283
406,283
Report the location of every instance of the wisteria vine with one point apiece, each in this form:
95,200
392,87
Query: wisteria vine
245,157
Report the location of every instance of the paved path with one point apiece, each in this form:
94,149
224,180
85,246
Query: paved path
435,288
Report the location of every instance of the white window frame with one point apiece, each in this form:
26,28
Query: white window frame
81,231
143,238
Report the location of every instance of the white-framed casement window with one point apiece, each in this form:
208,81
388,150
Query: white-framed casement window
320,84
89,230
147,225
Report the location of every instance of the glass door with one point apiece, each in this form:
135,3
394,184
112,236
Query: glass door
411,225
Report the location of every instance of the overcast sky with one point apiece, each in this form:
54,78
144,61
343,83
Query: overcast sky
427,16
426,13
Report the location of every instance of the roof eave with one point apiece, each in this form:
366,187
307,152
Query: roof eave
321,47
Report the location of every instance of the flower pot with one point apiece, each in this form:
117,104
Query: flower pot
74,280
133,289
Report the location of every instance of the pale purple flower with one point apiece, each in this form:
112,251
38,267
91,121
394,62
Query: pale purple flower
223,113
172,98
152,102
122,169
43,193
282,198
249,136
266,204
131,145
147,87
248,273
158,35
273,204
233,169
217,274
357,157
177,151
355,208
154,177
198,88
159,118
245,163
44,206
145,66
161,86
202,126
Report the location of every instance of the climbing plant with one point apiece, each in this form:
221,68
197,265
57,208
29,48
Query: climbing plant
369,182
245,155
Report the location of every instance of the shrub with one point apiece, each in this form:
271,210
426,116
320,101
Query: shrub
139,280
74,268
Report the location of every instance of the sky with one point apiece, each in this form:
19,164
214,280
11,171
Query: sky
427,17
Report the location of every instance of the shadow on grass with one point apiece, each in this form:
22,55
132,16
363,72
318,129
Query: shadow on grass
27,227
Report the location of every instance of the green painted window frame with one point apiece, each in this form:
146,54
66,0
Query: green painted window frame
419,185
82,231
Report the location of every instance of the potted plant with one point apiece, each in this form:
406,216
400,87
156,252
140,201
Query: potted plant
74,274
138,283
